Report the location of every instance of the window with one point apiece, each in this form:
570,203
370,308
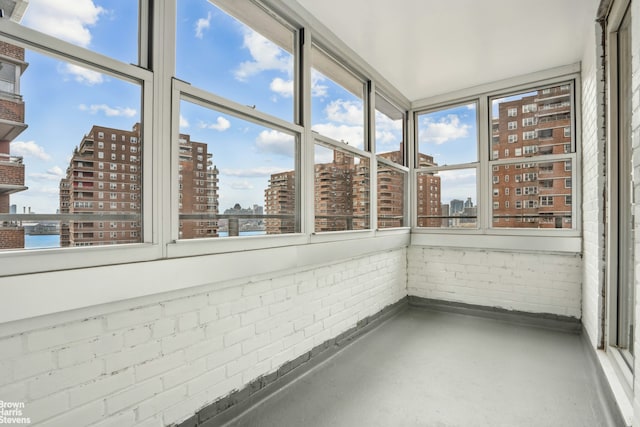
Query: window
9,77
623,182
260,200
337,100
391,186
512,125
546,200
513,138
389,130
449,162
258,50
512,112
548,109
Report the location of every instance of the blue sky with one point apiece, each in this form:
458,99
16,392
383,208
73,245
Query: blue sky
214,52
451,136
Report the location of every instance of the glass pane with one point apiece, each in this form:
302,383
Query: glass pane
341,190
449,136
71,140
249,62
389,131
390,196
446,199
236,178
532,195
535,123
109,27
337,109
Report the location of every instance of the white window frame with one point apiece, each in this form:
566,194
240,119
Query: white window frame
567,240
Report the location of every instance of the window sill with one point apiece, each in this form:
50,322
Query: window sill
564,243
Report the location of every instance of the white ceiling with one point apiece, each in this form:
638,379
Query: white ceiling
430,47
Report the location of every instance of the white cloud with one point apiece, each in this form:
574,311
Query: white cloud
317,89
184,123
202,24
266,56
352,135
272,141
446,129
388,131
282,87
29,149
220,125
108,111
68,20
251,172
82,75
241,185
347,112
53,174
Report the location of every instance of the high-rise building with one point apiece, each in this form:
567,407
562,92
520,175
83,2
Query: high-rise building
533,194
429,196
280,203
197,189
105,177
342,195
12,65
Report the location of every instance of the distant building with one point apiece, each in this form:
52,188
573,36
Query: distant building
280,202
105,177
429,195
12,65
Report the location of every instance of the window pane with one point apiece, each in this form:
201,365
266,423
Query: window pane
390,196
532,195
450,135
249,62
56,155
389,131
532,124
109,27
341,190
337,107
236,178
446,199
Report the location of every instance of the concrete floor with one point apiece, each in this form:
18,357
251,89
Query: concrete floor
424,368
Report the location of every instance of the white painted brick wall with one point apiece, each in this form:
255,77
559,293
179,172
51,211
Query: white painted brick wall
593,184
158,363
531,282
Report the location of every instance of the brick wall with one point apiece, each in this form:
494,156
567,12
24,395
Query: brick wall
12,51
531,282
12,110
11,238
11,173
156,364
593,188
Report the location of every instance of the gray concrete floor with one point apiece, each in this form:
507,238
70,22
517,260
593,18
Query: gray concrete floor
424,368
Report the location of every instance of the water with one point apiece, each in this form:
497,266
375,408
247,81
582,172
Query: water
53,240
41,241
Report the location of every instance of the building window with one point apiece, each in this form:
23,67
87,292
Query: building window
512,112
529,121
528,135
513,138
512,125
546,200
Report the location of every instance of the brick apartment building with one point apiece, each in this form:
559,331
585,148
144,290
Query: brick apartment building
342,195
197,189
12,65
533,194
429,200
105,177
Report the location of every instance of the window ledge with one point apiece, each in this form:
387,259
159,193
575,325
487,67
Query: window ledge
561,244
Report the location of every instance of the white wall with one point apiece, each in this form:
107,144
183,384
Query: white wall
593,180
156,360
522,281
